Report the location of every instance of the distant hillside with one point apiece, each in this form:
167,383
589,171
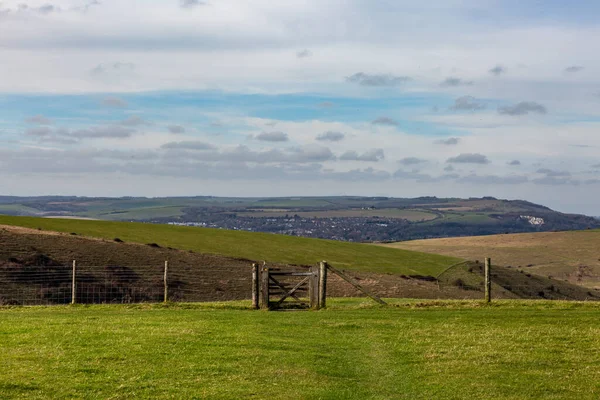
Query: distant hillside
356,219
572,256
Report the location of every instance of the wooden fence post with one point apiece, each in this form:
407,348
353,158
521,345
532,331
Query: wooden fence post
488,281
313,288
322,284
166,292
264,288
255,288
74,284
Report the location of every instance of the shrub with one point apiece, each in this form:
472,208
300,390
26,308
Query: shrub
459,283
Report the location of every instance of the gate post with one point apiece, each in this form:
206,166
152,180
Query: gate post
313,288
264,288
322,284
255,286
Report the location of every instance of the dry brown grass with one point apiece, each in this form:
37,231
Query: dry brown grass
572,256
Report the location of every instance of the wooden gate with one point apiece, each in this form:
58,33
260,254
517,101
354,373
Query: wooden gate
275,289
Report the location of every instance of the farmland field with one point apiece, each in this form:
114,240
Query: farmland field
449,350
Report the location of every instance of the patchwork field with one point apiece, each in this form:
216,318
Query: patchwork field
572,256
451,350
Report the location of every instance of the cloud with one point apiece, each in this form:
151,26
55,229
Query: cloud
309,153
574,69
304,53
551,180
47,9
448,142
377,80
189,145
553,173
326,104
272,137
596,166
523,108
449,168
39,131
468,103
177,129
191,3
384,121
453,82
39,120
65,135
372,155
497,70
185,152
493,179
115,102
514,163
101,132
469,158
411,161
114,68
422,178
368,174
134,120
331,136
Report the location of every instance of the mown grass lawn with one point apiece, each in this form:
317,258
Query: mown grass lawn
250,245
435,350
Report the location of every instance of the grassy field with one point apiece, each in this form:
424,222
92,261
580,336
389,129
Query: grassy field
250,245
450,350
573,256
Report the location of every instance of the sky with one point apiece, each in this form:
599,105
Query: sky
467,98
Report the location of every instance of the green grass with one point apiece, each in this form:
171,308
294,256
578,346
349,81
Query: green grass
251,245
438,350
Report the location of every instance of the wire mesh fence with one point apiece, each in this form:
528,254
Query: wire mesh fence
54,284
512,283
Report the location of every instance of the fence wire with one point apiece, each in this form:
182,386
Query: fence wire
48,285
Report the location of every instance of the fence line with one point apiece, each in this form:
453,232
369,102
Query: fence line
84,284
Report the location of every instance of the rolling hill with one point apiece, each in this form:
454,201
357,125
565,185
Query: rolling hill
212,264
249,245
572,256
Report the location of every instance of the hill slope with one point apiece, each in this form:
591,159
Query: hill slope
250,245
572,256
